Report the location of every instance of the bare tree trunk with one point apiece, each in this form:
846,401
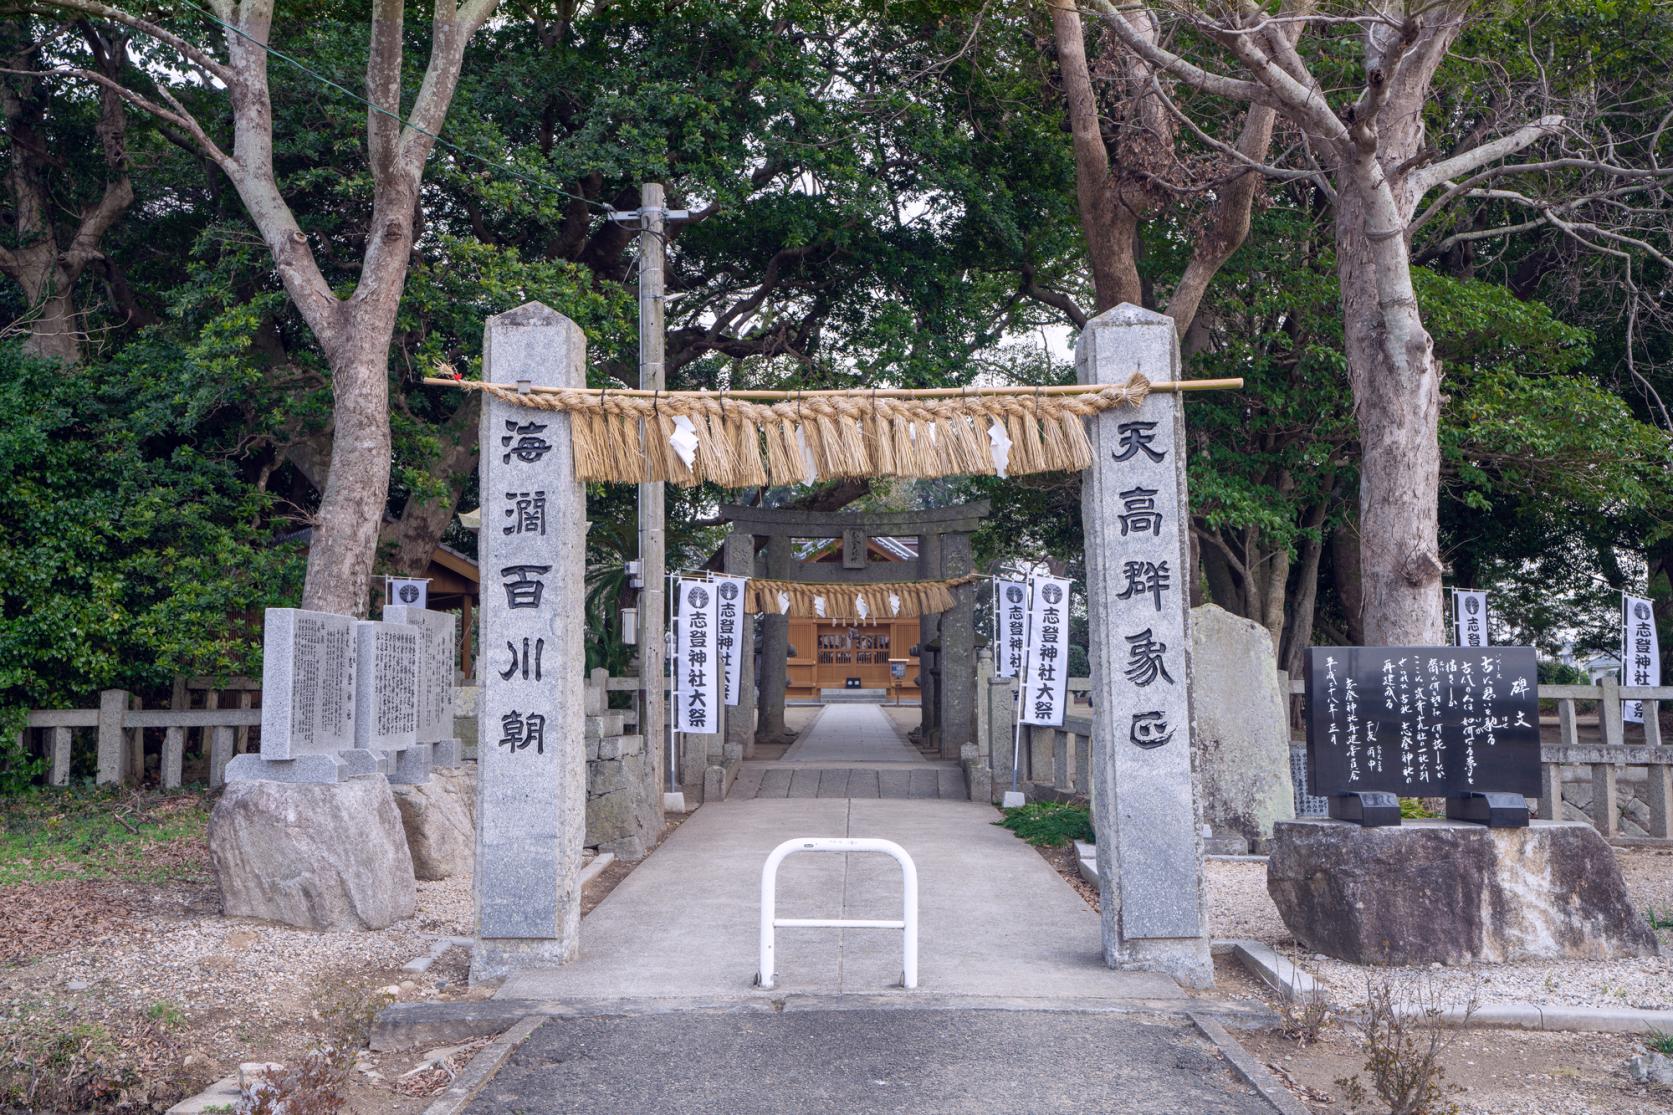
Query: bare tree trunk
45,264
355,332
1344,560
1396,383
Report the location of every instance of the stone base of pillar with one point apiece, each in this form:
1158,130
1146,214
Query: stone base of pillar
495,958
1186,959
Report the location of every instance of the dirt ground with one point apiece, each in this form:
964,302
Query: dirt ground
163,995
1496,1072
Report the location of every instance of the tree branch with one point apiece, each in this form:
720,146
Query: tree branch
1424,179
152,30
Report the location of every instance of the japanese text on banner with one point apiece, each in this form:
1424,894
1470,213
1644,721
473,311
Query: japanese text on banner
1010,627
697,682
731,626
1046,661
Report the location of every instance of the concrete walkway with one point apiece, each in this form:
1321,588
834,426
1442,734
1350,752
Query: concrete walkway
995,919
851,734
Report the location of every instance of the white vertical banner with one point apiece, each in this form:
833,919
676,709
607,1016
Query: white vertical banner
1469,618
1045,665
1010,627
697,684
1640,652
729,628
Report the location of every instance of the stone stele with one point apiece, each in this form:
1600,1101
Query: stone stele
1242,726
324,857
1450,892
439,819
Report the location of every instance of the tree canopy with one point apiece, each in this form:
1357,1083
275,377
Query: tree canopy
882,195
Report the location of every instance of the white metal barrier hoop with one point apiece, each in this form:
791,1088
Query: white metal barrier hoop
908,923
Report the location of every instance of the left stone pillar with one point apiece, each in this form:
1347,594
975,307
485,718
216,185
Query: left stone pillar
531,751
738,555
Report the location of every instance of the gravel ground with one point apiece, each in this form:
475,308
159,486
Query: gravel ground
1240,907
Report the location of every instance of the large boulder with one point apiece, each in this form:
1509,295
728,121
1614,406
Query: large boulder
1450,892
316,856
1242,730
439,819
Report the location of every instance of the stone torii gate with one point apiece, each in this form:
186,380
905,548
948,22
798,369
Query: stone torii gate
531,788
948,698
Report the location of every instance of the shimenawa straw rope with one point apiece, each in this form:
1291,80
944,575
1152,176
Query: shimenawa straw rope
625,436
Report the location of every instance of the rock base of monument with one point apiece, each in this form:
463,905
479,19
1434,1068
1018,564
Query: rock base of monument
1451,892
439,817
316,856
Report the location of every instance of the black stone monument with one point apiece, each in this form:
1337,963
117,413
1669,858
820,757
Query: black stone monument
1391,722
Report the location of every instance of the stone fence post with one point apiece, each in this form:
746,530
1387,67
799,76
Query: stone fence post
1147,805
531,789
113,745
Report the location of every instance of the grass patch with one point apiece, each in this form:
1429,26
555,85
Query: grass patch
51,1062
1659,919
1659,1042
103,834
1048,824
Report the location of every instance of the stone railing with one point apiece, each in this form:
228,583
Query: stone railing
1053,762
119,725
1603,770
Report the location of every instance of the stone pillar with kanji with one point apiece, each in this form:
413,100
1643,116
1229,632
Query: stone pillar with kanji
531,796
1147,804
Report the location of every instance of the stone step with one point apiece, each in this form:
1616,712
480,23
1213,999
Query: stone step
852,696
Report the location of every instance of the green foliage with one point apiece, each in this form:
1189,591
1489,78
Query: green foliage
1659,920
1552,672
128,554
102,834
1413,809
1048,824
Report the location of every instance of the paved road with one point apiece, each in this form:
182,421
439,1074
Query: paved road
862,1062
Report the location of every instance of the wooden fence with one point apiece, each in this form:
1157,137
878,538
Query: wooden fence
1584,742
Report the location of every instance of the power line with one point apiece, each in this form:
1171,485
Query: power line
403,121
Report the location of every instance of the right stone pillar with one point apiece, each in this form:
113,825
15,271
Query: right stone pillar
775,647
929,642
1147,807
956,691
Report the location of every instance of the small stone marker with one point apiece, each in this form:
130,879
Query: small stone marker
308,673
531,753
1146,800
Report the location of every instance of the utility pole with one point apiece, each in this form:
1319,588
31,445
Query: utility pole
652,219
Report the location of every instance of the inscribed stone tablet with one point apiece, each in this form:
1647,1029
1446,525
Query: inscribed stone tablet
436,655
1423,721
307,683
386,696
